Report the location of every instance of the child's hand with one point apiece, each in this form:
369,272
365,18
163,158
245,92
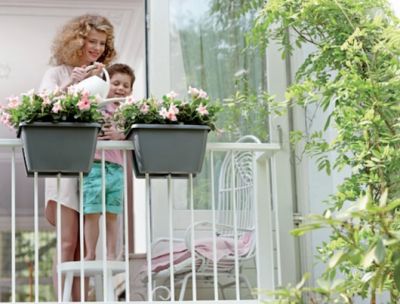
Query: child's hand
108,132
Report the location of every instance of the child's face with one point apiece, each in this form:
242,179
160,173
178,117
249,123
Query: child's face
120,85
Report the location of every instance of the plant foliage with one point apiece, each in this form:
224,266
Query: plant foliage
57,106
169,110
353,73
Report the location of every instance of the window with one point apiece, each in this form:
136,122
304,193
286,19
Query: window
208,50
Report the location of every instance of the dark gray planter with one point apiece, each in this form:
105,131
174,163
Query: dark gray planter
52,148
161,150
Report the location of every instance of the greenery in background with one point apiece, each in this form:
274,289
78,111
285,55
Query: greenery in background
216,59
24,259
354,71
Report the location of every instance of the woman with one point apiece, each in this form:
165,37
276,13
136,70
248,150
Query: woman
81,49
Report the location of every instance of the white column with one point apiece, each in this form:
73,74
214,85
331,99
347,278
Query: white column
283,198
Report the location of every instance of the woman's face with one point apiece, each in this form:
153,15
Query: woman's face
95,44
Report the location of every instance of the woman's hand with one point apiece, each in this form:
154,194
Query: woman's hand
78,74
94,69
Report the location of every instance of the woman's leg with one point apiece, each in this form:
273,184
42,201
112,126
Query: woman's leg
112,229
91,235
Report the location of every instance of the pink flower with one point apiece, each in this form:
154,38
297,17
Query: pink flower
171,116
173,109
172,95
13,102
202,110
6,119
46,98
130,100
202,94
84,103
144,108
57,107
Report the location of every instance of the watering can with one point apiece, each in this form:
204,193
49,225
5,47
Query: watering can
96,85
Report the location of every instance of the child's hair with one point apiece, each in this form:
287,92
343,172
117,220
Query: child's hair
122,69
67,46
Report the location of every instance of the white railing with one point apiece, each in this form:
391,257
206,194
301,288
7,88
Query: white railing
160,198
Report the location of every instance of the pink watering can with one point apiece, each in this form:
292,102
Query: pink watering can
96,85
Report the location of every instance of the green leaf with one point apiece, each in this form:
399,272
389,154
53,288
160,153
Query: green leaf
396,275
336,258
305,228
383,198
369,258
380,251
375,254
363,202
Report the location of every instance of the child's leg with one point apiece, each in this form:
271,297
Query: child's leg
112,231
91,235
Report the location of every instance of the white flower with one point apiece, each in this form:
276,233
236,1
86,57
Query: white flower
193,92
57,107
163,112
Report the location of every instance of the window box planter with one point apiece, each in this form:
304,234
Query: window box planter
160,150
51,148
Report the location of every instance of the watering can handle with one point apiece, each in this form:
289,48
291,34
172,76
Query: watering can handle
106,75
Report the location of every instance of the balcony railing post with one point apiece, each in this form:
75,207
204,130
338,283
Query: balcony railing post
192,249
148,240
13,276
214,227
81,238
171,239
36,234
126,228
59,257
104,225
235,231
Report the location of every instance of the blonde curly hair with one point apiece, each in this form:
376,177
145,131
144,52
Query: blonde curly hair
67,46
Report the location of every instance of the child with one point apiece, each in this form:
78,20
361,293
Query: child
122,78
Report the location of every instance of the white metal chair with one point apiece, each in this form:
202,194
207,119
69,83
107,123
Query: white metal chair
234,208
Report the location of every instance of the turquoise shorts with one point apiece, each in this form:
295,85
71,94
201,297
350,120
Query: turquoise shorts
92,196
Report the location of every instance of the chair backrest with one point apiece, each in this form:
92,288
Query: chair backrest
236,188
